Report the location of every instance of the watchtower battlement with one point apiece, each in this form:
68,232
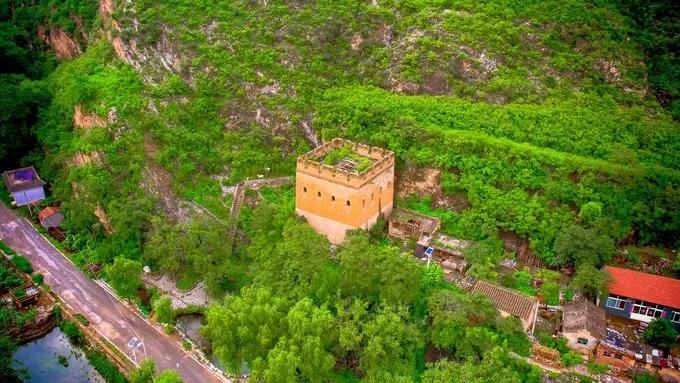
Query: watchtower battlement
343,185
312,164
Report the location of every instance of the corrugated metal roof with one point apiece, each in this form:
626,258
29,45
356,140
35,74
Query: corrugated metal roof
508,301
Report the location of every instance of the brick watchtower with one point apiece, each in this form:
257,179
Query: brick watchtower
337,192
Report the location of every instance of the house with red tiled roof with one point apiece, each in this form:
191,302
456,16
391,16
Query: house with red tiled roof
642,296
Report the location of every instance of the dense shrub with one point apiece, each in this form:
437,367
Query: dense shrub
163,309
6,249
72,331
660,332
8,279
38,278
104,367
22,264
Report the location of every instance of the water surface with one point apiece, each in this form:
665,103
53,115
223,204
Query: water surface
40,357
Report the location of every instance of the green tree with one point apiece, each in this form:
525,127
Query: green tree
279,344
124,276
512,335
389,344
22,99
578,246
164,311
660,332
144,373
295,266
590,211
8,279
488,371
590,281
451,312
7,372
195,247
168,376
245,327
377,273
432,276
352,315
302,353
483,257
549,292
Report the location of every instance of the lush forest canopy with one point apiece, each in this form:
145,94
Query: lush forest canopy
554,120
368,311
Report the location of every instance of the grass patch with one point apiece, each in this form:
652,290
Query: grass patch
6,249
22,264
104,367
38,278
72,331
187,282
336,155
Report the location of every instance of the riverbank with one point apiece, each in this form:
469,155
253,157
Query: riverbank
53,358
108,316
35,311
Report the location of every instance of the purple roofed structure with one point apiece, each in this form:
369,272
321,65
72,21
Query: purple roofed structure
25,185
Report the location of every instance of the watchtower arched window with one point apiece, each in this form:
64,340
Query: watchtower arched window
332,198
347,202
304,189
318,194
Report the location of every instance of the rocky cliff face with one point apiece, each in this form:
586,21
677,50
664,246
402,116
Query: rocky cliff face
231,90
152,61
64,45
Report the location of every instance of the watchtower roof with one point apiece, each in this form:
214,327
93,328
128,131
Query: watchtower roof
346,156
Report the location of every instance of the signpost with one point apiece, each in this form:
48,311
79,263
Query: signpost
134,344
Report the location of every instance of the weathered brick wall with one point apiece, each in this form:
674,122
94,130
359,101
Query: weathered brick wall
334,201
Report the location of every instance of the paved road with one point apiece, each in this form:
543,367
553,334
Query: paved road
112,319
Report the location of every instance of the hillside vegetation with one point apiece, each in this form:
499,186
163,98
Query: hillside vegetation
552,96
540,115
